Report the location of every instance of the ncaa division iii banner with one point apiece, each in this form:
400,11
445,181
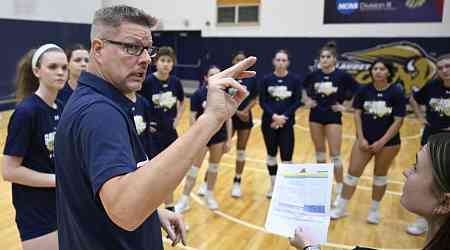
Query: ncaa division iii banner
383,11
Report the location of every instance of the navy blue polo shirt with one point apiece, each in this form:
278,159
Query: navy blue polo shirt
252,87
31,134
280,95
379,109
436,97
329,89
97,140
198,104
163,96
64,94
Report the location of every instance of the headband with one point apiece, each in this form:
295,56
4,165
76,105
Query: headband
41,51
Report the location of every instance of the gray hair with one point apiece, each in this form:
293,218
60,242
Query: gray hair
114,16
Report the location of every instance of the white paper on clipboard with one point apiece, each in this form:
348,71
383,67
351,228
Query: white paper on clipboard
301,197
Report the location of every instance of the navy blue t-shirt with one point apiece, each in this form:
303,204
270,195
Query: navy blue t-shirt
436,97
252,87
163,96
31,134
97,140
142,119
64,94
329,89
378,109
198,104
280,95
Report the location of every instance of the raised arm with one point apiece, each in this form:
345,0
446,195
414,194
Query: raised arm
131,198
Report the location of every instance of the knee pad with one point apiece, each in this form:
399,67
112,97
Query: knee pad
351,180
336,160
193,172
321,157
287,162
240,155
380,181
271,160
213,167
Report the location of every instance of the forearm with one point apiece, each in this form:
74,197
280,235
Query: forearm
393,130
358,124
28,177
136,195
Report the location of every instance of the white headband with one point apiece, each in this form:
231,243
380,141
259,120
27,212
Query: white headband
41,51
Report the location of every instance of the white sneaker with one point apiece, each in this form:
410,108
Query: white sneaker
373,217
335,203
182,205
202,190
236,190
211,201
269,193
338,212
417,228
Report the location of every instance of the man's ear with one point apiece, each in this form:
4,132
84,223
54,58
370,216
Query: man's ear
96,47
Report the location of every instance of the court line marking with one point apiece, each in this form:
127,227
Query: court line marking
262,161
228,165
261,229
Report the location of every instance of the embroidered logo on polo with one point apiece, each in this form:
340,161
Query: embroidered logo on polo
440,105
140,124
325,88
279,92
49,140
378,109
164,100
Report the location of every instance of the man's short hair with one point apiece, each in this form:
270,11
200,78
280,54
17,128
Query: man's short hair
114,16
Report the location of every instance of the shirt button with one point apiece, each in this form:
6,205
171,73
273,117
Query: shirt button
133,108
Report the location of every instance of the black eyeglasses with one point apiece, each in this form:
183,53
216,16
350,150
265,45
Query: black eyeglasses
134,49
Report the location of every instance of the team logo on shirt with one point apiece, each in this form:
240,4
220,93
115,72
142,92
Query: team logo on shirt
49,140
440,105
164,100
413,65
279,92
378,109
140,124
325,88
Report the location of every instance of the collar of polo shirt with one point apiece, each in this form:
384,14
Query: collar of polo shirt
107,89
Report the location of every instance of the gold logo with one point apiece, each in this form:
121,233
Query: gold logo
412,64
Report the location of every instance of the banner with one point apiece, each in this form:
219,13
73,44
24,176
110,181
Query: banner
413,66
383,11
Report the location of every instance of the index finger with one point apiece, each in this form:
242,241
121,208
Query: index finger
236,69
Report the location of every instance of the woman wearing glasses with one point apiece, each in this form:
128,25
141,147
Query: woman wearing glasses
279,97
165,93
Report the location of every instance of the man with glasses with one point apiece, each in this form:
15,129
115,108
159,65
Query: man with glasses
108,191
